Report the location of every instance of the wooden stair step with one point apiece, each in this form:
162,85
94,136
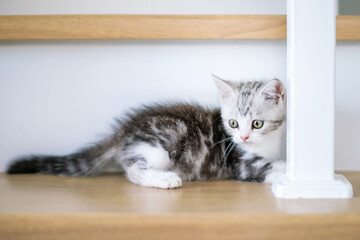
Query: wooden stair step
109,207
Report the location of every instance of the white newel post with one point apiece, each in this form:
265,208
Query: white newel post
310,104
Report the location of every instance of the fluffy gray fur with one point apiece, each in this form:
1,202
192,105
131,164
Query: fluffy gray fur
163,145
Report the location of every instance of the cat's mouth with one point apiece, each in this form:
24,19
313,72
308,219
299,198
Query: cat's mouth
247,142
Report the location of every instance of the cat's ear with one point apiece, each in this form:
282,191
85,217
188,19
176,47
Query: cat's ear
274,91
226,89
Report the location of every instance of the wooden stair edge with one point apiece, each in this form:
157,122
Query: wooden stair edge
180,226
32,27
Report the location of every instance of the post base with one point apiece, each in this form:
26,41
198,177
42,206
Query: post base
339,187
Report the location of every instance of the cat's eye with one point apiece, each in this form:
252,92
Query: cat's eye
233,123
257,124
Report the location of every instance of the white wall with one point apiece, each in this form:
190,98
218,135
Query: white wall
347,106
56,96
8,7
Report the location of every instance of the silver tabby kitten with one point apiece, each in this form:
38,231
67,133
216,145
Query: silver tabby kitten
161,146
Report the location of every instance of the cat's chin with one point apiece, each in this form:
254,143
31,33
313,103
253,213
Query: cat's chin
248,144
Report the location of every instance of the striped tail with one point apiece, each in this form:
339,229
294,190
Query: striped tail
71,165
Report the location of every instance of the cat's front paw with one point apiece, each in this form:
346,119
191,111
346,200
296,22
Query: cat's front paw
278,167
169,180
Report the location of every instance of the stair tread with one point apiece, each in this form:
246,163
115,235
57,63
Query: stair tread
112,193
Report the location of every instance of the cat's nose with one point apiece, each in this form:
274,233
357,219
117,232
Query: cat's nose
245,138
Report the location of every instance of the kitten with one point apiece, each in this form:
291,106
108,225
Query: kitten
161,146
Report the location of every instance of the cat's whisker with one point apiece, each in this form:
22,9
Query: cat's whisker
216,119
220,142
225,152
232,148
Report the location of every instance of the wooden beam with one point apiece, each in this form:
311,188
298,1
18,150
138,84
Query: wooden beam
348,27
143,27
30,27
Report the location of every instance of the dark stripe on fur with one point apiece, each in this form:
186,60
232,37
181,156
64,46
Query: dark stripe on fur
37,164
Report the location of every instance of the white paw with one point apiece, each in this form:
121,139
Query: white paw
278,167
168,180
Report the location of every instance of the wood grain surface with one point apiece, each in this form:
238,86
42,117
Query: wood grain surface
114,194
109,207
143,27
234,227
348,27
27,27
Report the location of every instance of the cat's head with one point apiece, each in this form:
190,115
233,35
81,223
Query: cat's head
251,110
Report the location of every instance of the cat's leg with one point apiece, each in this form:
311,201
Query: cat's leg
148,177
148,165
257,170
278,167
